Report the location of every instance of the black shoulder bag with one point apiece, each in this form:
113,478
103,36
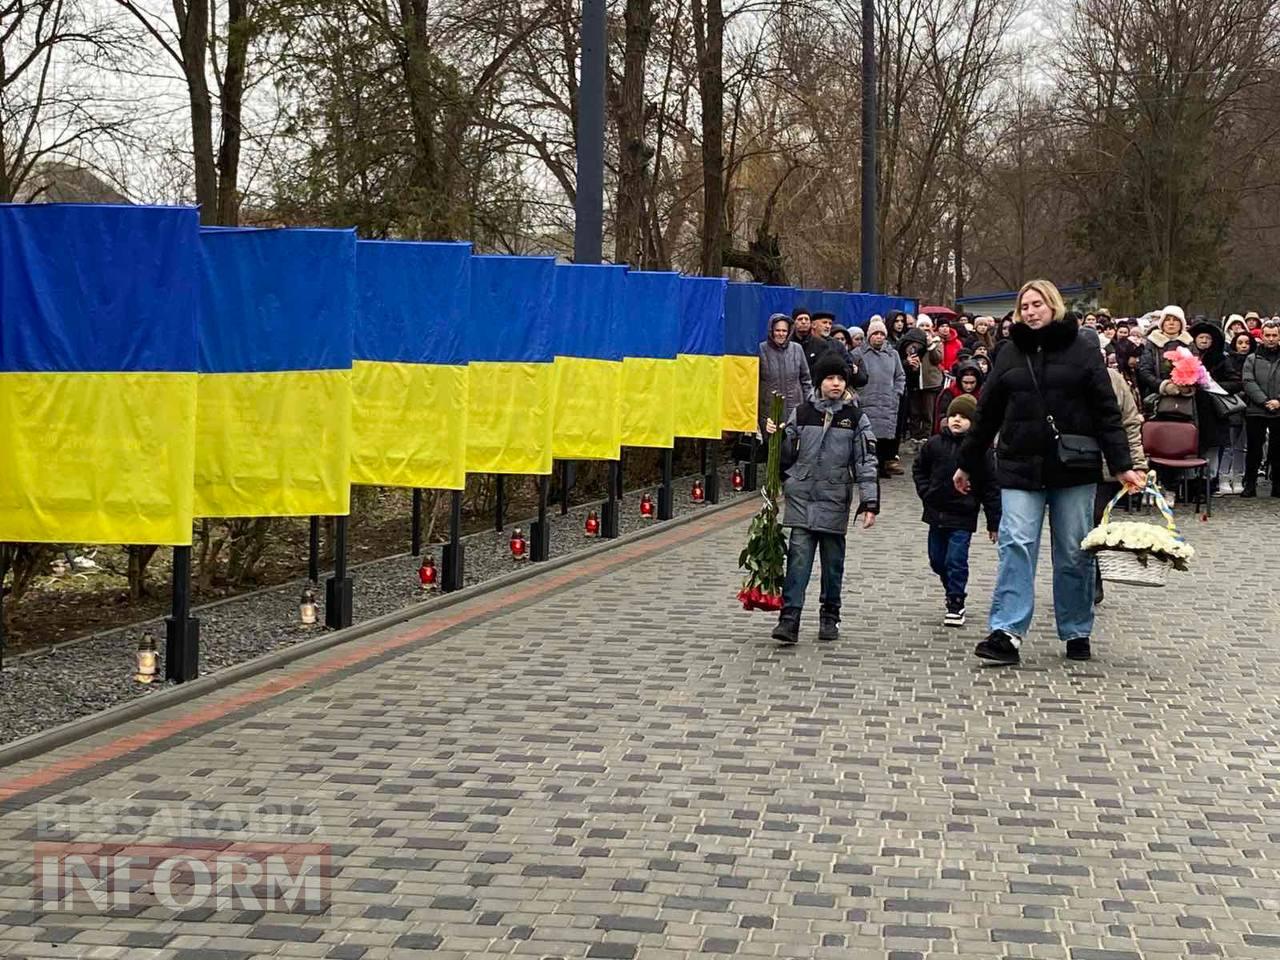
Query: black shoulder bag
1075,451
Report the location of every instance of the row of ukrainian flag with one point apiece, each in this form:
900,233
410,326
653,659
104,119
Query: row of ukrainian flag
153,371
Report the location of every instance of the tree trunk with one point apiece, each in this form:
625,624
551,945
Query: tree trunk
415,62
708,39
633,152
239,32
193,40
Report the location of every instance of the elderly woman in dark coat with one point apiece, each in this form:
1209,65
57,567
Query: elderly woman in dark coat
784,369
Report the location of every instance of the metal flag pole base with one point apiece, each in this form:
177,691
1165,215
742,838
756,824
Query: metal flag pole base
415,526
454,551
609,512
500,502
666,505
182,631
540,531
338,589
313,551
751,475
710,475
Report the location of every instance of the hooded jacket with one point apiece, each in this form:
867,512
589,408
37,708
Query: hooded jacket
782,370
952,390
1074,388
1262,381
944,505
828,447
929,374
952,344
886,380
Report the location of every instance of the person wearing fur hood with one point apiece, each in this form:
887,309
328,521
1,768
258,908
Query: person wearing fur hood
1153,368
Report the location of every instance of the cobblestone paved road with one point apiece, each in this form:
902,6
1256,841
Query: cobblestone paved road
627,767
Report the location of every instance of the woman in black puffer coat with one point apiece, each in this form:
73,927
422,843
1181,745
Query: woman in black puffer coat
1047,378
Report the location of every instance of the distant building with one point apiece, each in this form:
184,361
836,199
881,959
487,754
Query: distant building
1081,297
64,183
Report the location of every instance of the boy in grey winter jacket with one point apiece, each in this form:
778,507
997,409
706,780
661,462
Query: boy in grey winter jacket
829,446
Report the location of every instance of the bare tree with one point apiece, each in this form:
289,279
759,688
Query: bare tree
51,110
1155,94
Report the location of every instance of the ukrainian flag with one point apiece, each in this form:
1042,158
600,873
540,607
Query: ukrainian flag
699,395
589,309
650,340
741,356
409,381
774,300
510,350
273,421
97,373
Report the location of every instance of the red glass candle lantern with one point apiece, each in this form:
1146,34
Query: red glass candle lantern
646,507
519,546
736,479
428,576
698,494
593,525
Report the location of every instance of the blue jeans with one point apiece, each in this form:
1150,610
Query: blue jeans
949,558
800,551
1021,523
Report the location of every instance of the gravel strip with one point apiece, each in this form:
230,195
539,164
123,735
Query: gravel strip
45,689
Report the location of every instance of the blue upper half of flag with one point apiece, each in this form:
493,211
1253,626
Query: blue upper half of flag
702,315
97,288
276,300
652,325
512,310
414,301
590,303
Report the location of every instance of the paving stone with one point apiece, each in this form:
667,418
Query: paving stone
627,766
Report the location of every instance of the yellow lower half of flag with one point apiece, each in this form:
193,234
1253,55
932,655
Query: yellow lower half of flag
273,444
509,414
588,409
698,400
741,389
96,457
648,402
409,425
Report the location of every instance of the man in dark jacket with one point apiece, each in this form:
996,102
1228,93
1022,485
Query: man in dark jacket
829,446
952,516
1048,393
1262,416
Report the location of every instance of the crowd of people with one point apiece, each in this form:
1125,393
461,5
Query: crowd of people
1040,412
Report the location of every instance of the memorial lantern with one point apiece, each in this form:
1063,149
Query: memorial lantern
147,658
646,507
519,546
428,575
698,494
736,480
308,611
592,526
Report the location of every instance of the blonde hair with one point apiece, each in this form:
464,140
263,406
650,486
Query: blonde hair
1048,292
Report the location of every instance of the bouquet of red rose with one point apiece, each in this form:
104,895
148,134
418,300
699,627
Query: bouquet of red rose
765,555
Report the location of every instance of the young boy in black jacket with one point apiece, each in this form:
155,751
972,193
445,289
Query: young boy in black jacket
953,517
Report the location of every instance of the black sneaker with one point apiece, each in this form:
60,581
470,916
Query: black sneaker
828,625
1248,491
955,611
1078,649
999,647
788,629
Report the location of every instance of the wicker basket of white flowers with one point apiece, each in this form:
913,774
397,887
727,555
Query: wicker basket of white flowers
1137,553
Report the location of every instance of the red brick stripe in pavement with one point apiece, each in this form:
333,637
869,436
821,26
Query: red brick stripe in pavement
361,651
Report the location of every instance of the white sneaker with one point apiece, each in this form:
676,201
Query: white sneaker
954,619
